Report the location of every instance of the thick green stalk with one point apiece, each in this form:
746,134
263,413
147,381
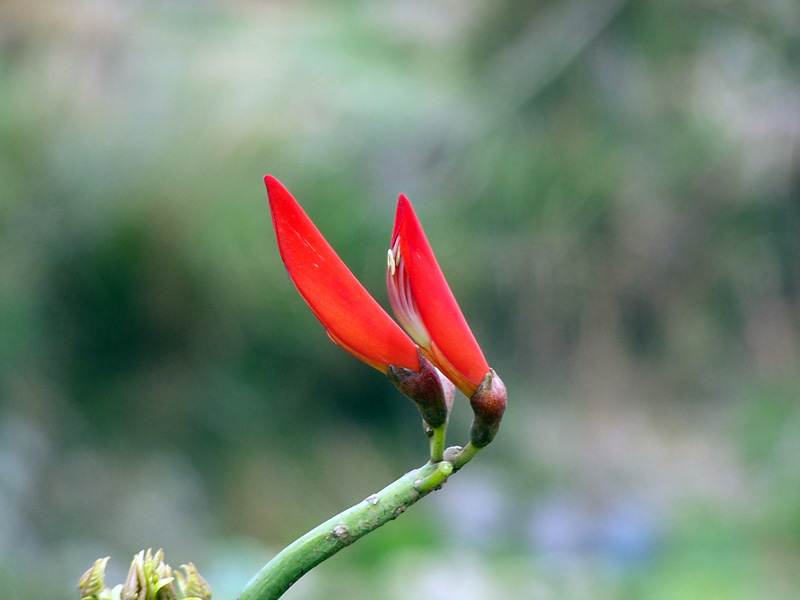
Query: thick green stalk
327,539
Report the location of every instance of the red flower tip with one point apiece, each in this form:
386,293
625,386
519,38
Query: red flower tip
351,317
425,306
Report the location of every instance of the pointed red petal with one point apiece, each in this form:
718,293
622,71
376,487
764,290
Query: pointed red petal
352,318
452,346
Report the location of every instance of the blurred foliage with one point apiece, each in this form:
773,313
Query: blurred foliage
612,188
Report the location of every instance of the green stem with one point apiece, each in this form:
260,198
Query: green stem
437,443
429,483
327,539
467,454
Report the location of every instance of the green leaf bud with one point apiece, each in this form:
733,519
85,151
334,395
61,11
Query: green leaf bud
91,584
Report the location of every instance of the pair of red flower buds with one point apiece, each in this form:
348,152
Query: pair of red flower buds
443,349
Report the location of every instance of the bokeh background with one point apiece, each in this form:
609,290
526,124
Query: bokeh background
612,188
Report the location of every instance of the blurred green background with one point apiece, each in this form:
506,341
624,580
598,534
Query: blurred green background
611,187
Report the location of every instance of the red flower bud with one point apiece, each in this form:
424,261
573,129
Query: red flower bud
351,317
425,306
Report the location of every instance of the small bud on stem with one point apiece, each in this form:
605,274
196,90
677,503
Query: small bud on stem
488,403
